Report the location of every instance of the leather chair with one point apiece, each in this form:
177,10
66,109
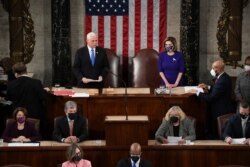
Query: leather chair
112,78
221,122
34,121
59,117
145,69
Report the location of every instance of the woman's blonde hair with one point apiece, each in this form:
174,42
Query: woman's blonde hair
71,152
178,109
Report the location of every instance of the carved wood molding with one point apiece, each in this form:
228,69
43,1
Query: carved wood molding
22,35
28,33
230,57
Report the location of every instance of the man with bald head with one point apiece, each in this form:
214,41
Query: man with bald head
91,64
134,159
218,97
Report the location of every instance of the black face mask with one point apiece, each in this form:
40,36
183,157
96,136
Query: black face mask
135,158
169,48
243,116
76,158
72,116
174,119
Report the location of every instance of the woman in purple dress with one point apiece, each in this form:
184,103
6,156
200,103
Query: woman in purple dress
171,64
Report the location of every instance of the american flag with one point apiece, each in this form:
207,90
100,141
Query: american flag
126,26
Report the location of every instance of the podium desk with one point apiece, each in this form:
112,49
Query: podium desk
122,132
97,106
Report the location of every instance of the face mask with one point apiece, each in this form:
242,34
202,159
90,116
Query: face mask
213,73
247,68
20,120
76,158
135,158
243,116
174,119
169,48
72,116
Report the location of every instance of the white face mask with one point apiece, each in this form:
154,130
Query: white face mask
213,73
247,67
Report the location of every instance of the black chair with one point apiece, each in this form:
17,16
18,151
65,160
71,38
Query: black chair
221,122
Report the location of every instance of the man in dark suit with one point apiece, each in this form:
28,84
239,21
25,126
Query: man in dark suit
135,159
71,128
91,64
28,93
238,125
218,97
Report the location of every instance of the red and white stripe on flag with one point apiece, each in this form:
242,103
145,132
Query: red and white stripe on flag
143,27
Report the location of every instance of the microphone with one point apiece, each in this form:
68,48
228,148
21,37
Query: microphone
125,87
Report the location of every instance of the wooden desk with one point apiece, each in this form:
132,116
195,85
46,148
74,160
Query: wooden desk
96,107
122,132
201,154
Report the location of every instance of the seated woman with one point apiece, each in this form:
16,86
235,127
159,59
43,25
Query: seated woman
20,130
74,156
176,123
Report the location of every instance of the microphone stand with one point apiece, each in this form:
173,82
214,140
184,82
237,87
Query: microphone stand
125,95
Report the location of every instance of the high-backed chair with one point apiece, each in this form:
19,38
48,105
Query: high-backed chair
112,79
34,121
221,122
59,117
145,69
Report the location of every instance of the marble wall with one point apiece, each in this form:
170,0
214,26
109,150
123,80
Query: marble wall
41,64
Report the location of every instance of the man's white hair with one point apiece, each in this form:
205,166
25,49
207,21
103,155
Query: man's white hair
91,35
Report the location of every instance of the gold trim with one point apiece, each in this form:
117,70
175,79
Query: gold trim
235,18
234,53
15,18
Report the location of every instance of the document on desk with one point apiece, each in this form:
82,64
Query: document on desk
238,140
188,88
80,95
172,140
24,144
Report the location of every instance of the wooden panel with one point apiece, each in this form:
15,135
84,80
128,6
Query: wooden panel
205,155
122,132
96,107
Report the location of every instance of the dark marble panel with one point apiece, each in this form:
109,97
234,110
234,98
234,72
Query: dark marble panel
190,39
61,50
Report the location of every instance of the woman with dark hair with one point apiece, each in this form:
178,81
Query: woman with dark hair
74,155
20,130
171,64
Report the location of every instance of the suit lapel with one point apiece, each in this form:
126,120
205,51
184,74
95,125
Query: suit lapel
181,129
87,57
247,130
66,124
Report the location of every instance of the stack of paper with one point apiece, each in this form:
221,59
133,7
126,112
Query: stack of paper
80,95
23,144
